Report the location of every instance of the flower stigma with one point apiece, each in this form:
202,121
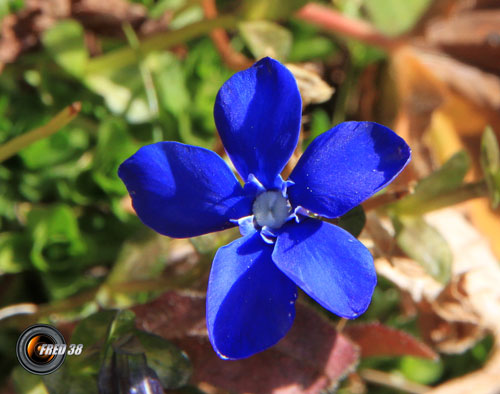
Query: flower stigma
271,209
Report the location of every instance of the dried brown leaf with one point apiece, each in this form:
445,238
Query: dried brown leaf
428,81
409,275
480,87
21,32
448,336
474,264
456,316
312,88
420,94
470,36
107,17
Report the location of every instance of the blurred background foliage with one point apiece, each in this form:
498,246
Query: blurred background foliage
134,72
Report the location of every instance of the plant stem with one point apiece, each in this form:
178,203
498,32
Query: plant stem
233,59
124,56
55,124
382,200
148,82
417,206
334,21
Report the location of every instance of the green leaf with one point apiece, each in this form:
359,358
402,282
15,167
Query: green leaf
490,163
8,195
170,81
68,145
445,180
353,221
114,145
93,331
123,92
13,253
60,285
55,124
308,43
266,38
421,370
175,98
363,54
205,73
123,324
424,244
159,42
52,182
394,17
311,48
187,17
65,41
56,239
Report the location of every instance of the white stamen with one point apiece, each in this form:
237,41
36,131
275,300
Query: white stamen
271,209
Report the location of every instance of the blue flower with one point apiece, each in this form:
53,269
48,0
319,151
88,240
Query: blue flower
184,191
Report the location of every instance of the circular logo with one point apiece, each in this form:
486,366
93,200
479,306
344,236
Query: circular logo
41,349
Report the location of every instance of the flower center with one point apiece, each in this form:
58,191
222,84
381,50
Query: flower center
271,209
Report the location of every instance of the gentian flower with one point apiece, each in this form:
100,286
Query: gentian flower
184,191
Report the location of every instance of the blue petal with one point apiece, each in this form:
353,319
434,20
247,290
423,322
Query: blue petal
250,303
183,191
345,165
329,264
258,114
